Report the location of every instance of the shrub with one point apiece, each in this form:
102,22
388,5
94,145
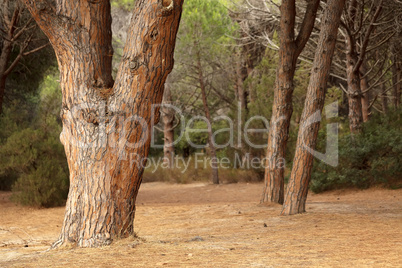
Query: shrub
31,155
372,157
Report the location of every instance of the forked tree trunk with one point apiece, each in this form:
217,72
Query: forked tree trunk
212,149
289,51
355,55
168,127
297,189
107,125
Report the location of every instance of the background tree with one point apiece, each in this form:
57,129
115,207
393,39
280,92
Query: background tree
296,193
290,48
106,123
357,23
203,65
19,37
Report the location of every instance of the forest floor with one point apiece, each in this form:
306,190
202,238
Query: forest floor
203,225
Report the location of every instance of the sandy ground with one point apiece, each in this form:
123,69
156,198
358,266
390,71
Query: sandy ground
199,225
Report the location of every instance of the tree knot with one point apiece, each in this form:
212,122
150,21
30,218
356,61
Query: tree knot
166,7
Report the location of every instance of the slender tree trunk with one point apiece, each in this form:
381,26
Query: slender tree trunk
107,125
354,91
290,49
5,56
212,150
384,99
168,127
396,82
297,189
365,94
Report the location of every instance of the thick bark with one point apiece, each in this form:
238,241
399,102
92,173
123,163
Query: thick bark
168,127
289,51
212,150
107,125
297,189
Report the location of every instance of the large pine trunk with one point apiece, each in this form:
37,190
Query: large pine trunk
296,193
289,51
106,124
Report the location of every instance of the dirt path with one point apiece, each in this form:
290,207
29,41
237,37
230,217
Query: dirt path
200,225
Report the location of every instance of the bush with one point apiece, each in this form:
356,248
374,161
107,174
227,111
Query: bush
370,158
39,161
32,159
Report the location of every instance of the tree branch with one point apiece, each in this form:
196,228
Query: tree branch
367,37
307,25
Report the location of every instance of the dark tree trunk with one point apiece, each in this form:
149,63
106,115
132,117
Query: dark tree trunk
396,82
289,51
384,99
365,94
4,58
107,125
9,28
297,189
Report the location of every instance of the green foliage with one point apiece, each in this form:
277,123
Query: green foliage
372,157
31,154
125,4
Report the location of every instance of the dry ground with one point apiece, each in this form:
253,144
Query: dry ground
199,225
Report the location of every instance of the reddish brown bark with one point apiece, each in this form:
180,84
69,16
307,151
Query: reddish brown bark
289,51
107,125
297,189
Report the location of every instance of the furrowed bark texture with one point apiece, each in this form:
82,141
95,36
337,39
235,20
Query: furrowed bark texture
289,51
107,125
296,193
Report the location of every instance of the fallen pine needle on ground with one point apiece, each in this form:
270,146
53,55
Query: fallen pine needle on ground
204,225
